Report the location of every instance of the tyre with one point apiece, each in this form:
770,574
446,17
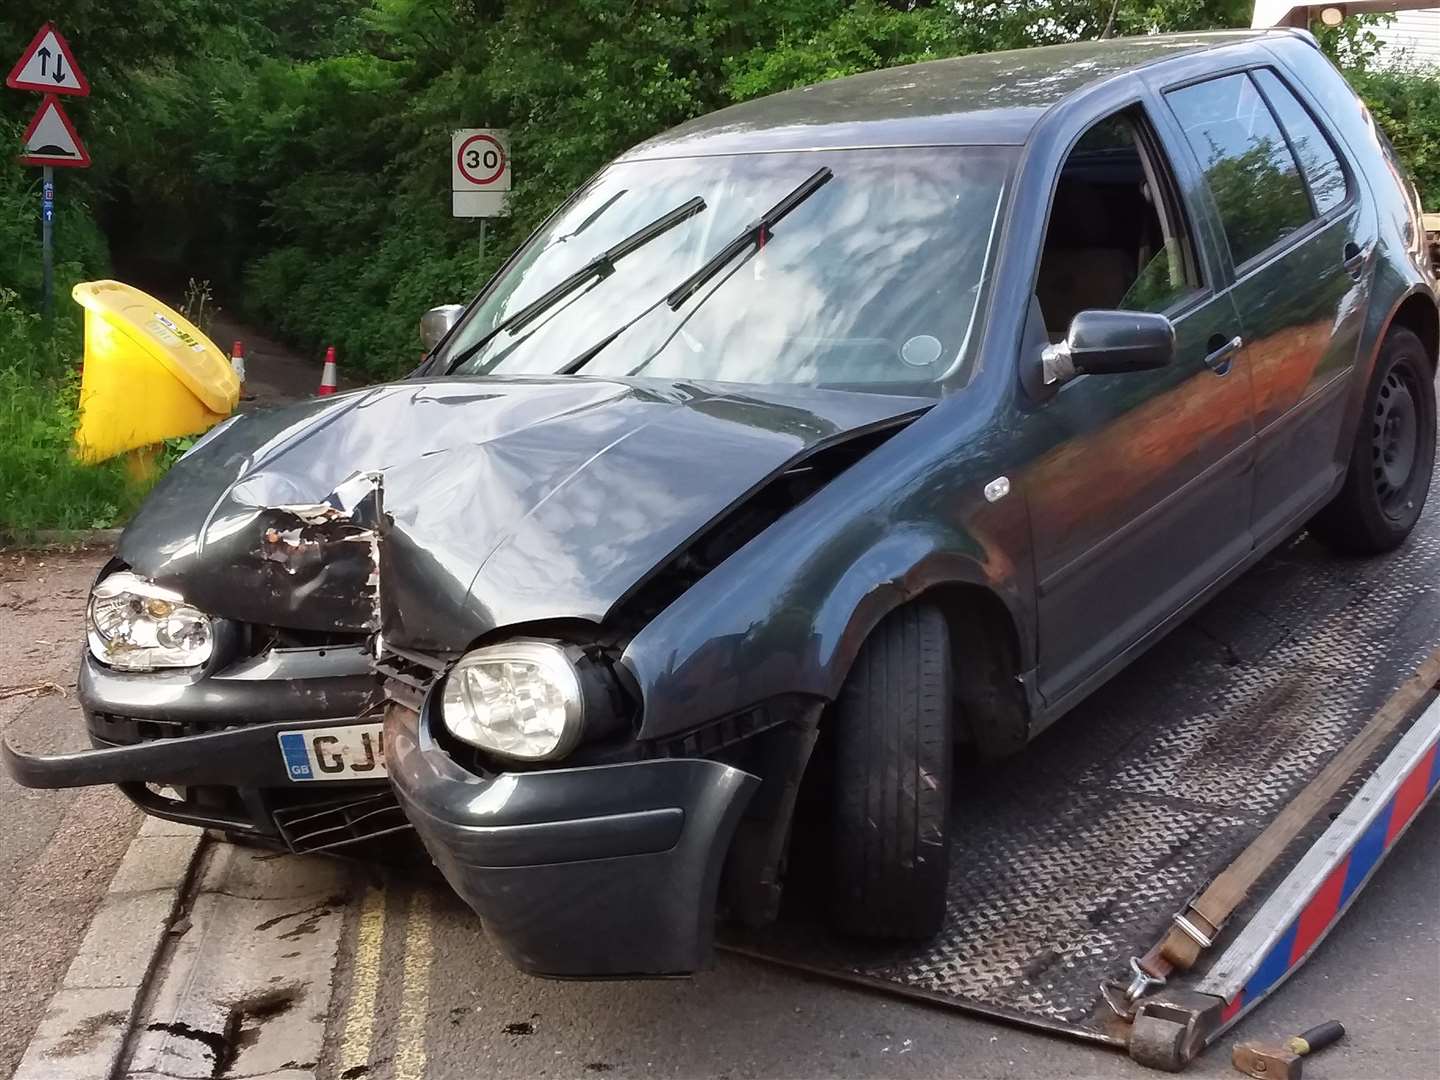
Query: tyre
894,743
1393,457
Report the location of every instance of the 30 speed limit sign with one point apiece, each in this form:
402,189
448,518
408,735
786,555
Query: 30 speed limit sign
479,172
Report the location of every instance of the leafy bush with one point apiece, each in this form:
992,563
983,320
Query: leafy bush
1406,104
80,249
41,483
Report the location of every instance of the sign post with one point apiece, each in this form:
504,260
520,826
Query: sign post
47,66
47,244
480,175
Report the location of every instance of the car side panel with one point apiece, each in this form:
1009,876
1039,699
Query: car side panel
1302,313
1141,497
787,613
1401,265
1346,117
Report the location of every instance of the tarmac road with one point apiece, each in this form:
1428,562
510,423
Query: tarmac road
58,849
421,993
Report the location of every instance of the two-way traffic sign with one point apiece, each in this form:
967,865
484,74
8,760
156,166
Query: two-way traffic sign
48,66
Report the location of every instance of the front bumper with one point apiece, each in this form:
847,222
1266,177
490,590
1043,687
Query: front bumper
594,872
239,757
213,736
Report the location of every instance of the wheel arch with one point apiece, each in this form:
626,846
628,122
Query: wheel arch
718,655
1418,313
985,645
994,712
987,648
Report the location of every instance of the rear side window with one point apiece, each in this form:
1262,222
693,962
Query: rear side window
1317,156
1249,167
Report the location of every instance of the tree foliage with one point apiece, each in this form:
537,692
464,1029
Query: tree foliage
297,154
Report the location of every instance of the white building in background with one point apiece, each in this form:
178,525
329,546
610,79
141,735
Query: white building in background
1413,36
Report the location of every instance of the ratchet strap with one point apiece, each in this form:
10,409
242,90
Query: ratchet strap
1195,928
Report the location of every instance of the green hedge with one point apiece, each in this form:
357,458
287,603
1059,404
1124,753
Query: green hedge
41,484
1406,104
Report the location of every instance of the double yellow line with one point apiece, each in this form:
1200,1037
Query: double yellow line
357,1035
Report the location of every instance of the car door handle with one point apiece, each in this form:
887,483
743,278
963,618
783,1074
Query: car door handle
1218,360
1354,262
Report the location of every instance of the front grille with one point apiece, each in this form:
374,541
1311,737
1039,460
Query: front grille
124,730
334,823
263,636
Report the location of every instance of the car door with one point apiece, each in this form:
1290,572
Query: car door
1299,238
1142,498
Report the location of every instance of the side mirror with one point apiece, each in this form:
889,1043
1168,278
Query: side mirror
1110,343
436,323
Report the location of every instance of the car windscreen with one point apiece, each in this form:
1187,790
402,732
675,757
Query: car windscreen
873,275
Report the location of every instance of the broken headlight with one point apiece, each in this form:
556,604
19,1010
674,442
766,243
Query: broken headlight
520,700
135,625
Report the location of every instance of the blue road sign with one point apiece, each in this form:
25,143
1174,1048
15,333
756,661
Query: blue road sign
47,201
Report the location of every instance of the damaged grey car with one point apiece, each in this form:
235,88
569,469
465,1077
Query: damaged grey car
805,446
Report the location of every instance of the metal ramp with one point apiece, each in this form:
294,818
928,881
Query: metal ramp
1073,857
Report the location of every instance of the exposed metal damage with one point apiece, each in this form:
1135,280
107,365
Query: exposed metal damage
324,546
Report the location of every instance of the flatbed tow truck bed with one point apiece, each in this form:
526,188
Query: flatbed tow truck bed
1071,860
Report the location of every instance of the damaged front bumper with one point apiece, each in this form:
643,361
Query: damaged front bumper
590,872
212,738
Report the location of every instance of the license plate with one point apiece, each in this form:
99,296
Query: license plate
349,752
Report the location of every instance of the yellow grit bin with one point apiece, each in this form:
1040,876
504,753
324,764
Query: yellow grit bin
149,375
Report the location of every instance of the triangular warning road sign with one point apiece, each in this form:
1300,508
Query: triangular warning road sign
48,66
51,140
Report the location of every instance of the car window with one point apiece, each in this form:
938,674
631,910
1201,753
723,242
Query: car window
1251,172
1115,237
1317,157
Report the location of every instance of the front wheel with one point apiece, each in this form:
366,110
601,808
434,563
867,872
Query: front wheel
894,746
1393,457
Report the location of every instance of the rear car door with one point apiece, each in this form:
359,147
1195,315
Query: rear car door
1143,498
1299,238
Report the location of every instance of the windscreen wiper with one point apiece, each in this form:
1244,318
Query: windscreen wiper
597,269
755,233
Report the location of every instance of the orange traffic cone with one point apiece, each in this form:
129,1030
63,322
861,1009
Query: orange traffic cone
237,362
328,377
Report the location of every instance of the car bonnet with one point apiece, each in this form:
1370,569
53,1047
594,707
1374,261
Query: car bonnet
447,508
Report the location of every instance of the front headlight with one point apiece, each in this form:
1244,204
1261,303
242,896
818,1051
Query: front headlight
135,625
520,700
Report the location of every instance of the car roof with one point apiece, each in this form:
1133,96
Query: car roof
984,98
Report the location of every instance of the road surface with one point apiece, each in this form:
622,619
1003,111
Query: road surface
58,849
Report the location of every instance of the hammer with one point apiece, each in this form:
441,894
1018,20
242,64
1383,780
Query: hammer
1266,1062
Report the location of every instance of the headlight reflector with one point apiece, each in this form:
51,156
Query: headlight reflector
520,700
135,625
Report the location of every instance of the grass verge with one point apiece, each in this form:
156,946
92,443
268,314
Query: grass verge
42,486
